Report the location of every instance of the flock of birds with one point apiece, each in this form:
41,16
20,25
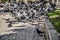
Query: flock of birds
32,10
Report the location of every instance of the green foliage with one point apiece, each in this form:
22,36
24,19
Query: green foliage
14,0
55,21
54,13
4,0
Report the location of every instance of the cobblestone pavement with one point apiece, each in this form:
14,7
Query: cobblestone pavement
28,32
51,29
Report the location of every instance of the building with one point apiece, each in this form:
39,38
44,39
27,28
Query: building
57,2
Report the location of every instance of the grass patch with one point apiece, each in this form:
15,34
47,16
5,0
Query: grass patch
56,12
52,14
56,20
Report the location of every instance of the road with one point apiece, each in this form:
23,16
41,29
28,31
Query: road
18,30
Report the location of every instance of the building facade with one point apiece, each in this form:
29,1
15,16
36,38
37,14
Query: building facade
57,2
